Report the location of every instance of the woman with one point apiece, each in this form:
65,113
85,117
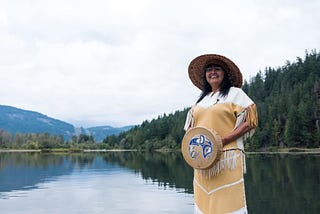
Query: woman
225,108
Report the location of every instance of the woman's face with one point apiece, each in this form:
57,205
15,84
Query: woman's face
214,76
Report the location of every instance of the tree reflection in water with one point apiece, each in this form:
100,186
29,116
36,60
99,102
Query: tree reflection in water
274,183
283,183
29,169
167,169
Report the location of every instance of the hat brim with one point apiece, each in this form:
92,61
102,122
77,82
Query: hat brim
197,66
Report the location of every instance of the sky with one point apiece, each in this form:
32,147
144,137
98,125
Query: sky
121,62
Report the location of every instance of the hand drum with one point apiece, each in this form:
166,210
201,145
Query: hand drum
201,148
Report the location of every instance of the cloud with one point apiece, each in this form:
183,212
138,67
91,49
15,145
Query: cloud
121,62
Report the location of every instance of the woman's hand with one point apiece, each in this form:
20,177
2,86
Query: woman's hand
236,133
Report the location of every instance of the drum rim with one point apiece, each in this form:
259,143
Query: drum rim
216,143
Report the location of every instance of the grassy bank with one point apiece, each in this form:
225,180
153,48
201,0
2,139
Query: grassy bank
292,150
20,150
297,150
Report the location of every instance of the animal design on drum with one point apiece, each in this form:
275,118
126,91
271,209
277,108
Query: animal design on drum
200,145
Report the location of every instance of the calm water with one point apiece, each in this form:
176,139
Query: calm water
132,182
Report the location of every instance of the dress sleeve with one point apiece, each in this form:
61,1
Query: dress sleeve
245,110
189,120
249,115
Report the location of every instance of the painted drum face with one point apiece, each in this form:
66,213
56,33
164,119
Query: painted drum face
201,147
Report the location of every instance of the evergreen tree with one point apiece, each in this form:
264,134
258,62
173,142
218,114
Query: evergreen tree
288,104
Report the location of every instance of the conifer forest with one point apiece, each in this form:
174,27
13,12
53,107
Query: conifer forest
287,99
288,102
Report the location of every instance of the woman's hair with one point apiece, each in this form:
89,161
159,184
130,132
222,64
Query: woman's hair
224,89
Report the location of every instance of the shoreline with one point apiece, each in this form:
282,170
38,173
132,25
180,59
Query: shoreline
20,150
293,150
276,151
65,150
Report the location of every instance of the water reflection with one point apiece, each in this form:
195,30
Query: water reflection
274,183
168,169
283,183
91,183
25,170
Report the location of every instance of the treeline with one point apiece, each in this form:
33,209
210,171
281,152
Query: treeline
46,141
165,132
288,101
287,98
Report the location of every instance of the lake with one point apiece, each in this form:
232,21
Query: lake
137,182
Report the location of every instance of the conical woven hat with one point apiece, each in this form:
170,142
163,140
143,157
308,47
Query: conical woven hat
197,66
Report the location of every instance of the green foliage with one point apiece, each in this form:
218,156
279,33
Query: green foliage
165,132
288,102
287,98
46,142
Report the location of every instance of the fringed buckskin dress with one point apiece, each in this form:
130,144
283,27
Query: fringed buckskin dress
221,188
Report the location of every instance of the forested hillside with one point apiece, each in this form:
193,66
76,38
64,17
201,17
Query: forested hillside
15,120
288,100
164,132
27,129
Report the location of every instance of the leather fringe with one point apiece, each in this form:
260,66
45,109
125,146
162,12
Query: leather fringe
228,160
252,116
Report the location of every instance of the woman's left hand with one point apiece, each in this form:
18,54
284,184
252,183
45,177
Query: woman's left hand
236,133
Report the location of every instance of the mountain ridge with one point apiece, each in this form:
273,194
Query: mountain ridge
17,120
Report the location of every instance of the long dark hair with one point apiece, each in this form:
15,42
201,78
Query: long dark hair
224,89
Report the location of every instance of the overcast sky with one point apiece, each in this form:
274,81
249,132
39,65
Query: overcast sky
120,62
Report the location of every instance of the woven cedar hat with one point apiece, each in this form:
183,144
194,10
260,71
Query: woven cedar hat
197,66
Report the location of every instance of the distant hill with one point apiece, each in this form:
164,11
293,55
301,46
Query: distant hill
100,132
15,120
